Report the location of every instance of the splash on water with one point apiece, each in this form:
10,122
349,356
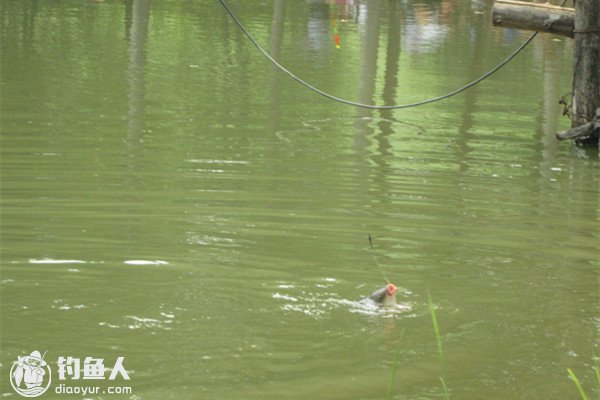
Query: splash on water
317,300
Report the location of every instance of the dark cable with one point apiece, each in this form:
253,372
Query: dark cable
370,106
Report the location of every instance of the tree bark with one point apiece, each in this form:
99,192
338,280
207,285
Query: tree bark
586,78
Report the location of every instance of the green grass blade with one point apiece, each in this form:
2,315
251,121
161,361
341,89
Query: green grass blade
436,330
438,337
597,370
394,370
578,384
446,393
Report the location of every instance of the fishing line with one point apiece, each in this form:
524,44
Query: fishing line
375,258
370,106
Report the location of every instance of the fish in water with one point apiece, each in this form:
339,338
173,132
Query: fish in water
384,297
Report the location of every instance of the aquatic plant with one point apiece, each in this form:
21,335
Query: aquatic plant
440,347
597,370
577,382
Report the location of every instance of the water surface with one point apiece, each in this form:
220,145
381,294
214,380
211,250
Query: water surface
168,196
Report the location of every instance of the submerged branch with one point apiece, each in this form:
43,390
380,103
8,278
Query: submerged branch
582,130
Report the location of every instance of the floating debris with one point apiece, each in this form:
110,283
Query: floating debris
109,325
53,261
146,262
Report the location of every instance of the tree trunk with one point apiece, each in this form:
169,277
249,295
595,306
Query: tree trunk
586,79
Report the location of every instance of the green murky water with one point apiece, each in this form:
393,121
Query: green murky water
168,197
